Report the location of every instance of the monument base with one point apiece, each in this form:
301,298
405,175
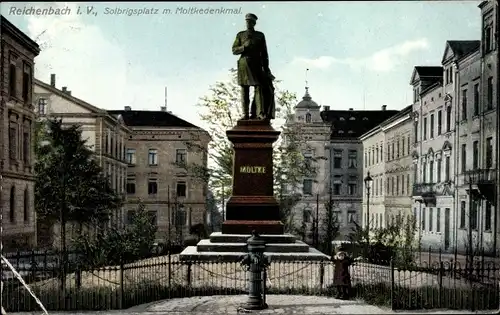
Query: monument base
231,247
247,226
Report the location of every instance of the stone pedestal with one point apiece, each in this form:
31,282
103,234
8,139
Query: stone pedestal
252,205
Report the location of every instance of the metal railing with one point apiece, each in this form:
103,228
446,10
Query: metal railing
437,283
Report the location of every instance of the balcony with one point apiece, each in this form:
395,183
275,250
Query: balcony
483,183
426,192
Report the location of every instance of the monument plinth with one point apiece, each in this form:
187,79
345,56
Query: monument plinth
252,206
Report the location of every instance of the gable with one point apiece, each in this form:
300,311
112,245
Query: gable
414,77
58,104
448,53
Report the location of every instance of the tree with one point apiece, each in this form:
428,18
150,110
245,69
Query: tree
112,246
70,185
220,110
329,229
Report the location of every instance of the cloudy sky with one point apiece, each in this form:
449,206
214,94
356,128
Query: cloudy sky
360,54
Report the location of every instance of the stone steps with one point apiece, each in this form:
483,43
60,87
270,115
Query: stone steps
209,246
218,237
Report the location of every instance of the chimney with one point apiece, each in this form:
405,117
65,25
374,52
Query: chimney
65,89
128,108
384,107
68,92
351,108
53,80
326,108
164,108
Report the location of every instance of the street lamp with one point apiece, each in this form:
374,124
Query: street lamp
368,180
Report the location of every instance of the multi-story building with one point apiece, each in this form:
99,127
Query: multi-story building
104,133
16,137
314,138
164,154
373,143
388,160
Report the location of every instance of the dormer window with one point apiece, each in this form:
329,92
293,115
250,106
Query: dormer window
350,132
365,118
308,118
342,118
488,39
448,76
352,118
341,132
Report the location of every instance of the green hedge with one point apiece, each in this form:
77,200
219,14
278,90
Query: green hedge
18,299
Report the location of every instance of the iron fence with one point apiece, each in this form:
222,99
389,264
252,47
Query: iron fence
436,284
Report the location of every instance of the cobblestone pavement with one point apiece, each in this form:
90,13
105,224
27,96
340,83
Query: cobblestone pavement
278,304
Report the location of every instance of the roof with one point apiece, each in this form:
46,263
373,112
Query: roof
354,123
426,73
69,97
307,101
9,28
145,118
405,111
461,48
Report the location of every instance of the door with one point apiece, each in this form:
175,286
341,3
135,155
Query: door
446,228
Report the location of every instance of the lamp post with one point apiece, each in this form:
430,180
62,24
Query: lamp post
368,180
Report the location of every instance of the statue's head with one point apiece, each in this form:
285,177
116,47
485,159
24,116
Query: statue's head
251,20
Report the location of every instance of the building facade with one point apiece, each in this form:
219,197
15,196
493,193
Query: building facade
16,137
388,160
163,153
105,134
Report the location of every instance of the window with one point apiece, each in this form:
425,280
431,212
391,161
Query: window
473,215
392,186
130,186
408,183
415,172
26,148
438,220
475,155
488,39
351,216
431,135
476,99
489,152
423,219
376,155
397,149
337,159
13,143
489,102
307,187
373,156
353,159
487,216
439,163
425,129
381,153
448,118
152,186
366,158
403,146
12,209
392,149
424,172
27,83
462,214
464,104
431,172
431,219
130,156
352,189
439,122
336,189
181,189
464,158
26,205
447,169
12,80
180,156
42,106
397,185
153,157
308,118
415,130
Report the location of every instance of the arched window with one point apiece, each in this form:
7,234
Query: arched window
308,118
12,210
26,205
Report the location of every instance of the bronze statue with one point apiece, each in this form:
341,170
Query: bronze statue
253,70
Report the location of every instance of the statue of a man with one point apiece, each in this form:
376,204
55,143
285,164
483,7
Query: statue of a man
253,70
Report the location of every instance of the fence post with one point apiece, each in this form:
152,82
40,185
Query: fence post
321,275
121,301
440,278
264,282
393,304
188,275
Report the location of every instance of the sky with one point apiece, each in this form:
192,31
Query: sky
359,54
